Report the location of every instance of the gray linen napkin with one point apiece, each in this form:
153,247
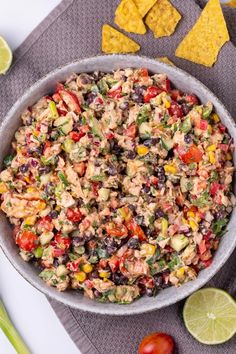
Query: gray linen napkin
73,30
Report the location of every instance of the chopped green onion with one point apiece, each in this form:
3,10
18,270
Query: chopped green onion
8,159
63,178
98,178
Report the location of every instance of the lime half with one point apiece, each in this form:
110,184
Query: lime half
5,56
210,316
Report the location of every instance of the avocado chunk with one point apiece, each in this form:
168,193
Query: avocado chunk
178,242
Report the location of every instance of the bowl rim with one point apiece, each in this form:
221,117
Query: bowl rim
119,310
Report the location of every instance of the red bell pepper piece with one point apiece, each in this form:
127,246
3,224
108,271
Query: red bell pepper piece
202,247
115,94
215,187
222,128
71,100
135,230
76,136
152,91
193,154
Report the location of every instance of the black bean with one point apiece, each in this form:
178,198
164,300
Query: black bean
115,148
63,259
56,262
94,274
131,154
90,97
124,105
150,292
146,189
221,214
155,141
97,294
78,241
44,170
148,142
85,79
138,98
53,214
188,139
49,188
159,213
185,108
24,168
119,279
158,280
133,243
132,207
112,170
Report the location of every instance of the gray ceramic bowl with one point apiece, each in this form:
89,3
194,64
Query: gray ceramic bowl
45,86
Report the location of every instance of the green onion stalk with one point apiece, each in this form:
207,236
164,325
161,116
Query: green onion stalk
11,333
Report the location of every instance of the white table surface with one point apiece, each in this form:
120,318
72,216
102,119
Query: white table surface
27,307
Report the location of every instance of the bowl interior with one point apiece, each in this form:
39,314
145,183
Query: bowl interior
45,86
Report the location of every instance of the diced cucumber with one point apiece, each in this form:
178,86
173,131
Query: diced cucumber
68,145
46,274
38,252
98,178
64,124
187,125
61,270
45,238
96,129
207,109
167,144
178,242
185,184
59,189
63,178
104,194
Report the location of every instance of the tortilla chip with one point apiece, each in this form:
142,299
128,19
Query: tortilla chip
165,60
231,3
115,42
163,18
128,17
204,41
144,6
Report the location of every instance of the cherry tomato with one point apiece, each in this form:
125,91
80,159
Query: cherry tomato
45,224
115,94
74,215
131,131
175,110
62,242
27,240
76,136
191,99
135,230
152,91
157,343
117,230
114,262
192,155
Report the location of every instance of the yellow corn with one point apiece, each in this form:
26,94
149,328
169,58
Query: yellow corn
148,249
32,190
190,214
211,147
27,179
184,221
87,268
125,213
167,104
180,272
41,205
215,117
142,150
3,187
58,208
170,169
212,158
228,156
36,133
30,220
164,226
209,128
104,274
80,276
193,225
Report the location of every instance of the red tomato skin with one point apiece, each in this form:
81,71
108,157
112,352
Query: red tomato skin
76,136
45,224
157,343
115,94
62,242
152,91
74,215
117,230
192,155
27,241
135,230
192,99
175,110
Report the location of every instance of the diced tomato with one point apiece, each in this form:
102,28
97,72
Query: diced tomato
98,100
103,263
223,147
45,224
222,128
154,180
56,97
71,100
116,230
115,94
152,91
131,131
114,262
135,230
191,99
205,256
58,252
175,110
207,236
74,215
109,136
59,87
175,95
193,154
202,247
95,188
74,265
27,241
76,136
143,72
207,263
62,242
203,124
215,187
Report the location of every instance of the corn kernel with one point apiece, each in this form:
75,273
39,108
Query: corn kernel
104,274
190,214
170,169
193,225
30,220
36,133
209,129
32,190
80,276
184,221
125,213
58,208
41,205
164,226
167,104
147,249
3,187
180,272
228,156
142,150
27,179
87,268
211,147
215,117
212,158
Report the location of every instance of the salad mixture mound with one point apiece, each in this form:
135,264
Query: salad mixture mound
118,185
